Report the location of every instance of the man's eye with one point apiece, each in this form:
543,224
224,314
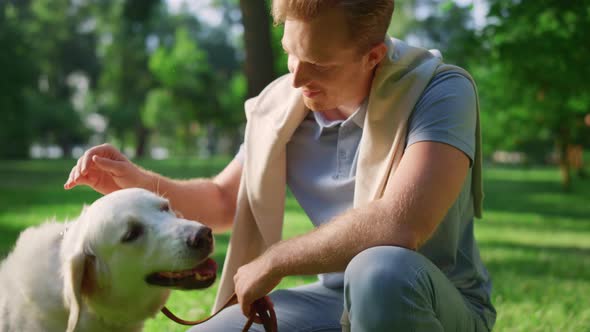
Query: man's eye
320,67
133,233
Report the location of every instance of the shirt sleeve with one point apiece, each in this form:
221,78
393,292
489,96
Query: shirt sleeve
446,113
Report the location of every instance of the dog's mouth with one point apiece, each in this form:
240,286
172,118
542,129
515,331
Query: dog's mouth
201,276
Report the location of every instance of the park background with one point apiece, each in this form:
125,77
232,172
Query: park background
165,81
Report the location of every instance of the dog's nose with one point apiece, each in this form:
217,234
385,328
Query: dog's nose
201,239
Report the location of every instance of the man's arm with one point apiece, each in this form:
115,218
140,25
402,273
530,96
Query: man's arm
209,201
427,182
425,185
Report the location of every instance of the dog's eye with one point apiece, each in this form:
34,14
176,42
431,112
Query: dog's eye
165,207
134,232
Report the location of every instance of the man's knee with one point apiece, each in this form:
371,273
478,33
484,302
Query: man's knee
380,285
385,267
396,289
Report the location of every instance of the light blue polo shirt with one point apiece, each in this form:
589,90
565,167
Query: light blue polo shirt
321,166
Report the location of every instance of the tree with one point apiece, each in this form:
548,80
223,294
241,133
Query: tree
50,63
17,76
442,25
187,86
259,64
539,48
125,80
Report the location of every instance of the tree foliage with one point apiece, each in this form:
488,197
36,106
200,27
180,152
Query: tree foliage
17,76
44,44
538,73
154,72
186,81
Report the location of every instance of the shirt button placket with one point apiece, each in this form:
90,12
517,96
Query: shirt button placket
341,150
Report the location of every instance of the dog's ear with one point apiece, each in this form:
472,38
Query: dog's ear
73,278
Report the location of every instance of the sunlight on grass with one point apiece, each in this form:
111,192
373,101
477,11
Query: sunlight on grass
534,238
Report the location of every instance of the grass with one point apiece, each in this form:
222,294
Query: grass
534,238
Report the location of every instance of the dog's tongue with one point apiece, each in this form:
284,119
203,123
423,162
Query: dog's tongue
209,266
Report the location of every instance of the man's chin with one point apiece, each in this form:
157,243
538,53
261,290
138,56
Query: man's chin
315,105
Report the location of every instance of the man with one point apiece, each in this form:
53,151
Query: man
378,141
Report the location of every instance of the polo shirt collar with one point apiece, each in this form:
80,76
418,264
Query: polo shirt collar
358,118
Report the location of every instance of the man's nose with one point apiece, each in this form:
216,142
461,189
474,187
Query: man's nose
300,75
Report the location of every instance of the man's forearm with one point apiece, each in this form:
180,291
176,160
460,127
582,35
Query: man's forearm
196,199
330,248
406,215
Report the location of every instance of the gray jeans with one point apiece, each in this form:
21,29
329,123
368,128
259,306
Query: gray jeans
385,289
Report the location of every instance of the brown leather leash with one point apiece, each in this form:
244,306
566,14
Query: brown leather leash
262,313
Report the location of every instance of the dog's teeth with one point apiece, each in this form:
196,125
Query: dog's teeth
175,275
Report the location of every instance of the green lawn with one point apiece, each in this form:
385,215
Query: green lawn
534,238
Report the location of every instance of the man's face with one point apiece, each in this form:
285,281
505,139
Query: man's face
326,64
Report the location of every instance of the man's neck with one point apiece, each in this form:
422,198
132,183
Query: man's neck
341,112
335,114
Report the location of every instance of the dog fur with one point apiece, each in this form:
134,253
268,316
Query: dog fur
90,274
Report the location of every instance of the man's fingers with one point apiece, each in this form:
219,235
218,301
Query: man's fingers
90,180
246,304
85,180
242,298
92,165
76,170
103,150
74,175
74,180
69,184
246,309
112,166
86,160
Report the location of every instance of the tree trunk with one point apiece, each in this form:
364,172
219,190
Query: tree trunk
142,134
66,147
259,64
212,139
564,163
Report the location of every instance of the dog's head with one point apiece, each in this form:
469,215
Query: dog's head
126,250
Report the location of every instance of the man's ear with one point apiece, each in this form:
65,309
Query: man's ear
74,276
375,55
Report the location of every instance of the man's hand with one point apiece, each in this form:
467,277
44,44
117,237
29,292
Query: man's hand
255,280
105,170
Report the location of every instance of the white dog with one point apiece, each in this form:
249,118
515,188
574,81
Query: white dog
107,271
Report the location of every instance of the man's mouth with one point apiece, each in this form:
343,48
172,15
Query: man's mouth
198,277
311,93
